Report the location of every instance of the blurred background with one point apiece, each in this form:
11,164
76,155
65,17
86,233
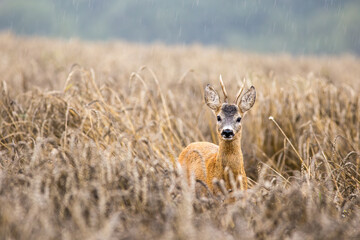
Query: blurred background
299,27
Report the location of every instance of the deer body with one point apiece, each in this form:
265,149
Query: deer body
207,160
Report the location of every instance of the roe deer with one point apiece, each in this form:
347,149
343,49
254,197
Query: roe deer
207,160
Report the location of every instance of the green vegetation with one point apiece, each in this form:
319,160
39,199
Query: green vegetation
299,27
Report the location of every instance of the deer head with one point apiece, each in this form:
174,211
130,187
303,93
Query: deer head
229,116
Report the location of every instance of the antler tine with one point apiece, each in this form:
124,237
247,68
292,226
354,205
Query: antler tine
223,89
240,91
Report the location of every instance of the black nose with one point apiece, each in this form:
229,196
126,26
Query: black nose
227,133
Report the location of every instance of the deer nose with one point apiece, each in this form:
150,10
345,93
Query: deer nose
227,133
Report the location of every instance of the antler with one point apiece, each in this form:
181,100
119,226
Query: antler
240,91
223,89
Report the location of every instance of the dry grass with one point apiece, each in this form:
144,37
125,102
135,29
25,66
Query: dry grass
89,151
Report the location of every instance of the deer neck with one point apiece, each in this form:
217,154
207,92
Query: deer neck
230,154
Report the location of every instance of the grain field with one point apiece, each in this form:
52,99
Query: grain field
90,134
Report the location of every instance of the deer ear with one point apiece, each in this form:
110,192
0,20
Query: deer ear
247,100
212,98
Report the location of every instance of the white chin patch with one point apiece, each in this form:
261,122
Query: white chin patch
227,139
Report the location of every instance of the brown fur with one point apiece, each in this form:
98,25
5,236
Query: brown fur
208,161
216,159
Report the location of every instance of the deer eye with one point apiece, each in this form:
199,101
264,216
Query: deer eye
238,119
219,118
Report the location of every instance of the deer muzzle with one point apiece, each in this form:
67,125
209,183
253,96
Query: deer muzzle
227,134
